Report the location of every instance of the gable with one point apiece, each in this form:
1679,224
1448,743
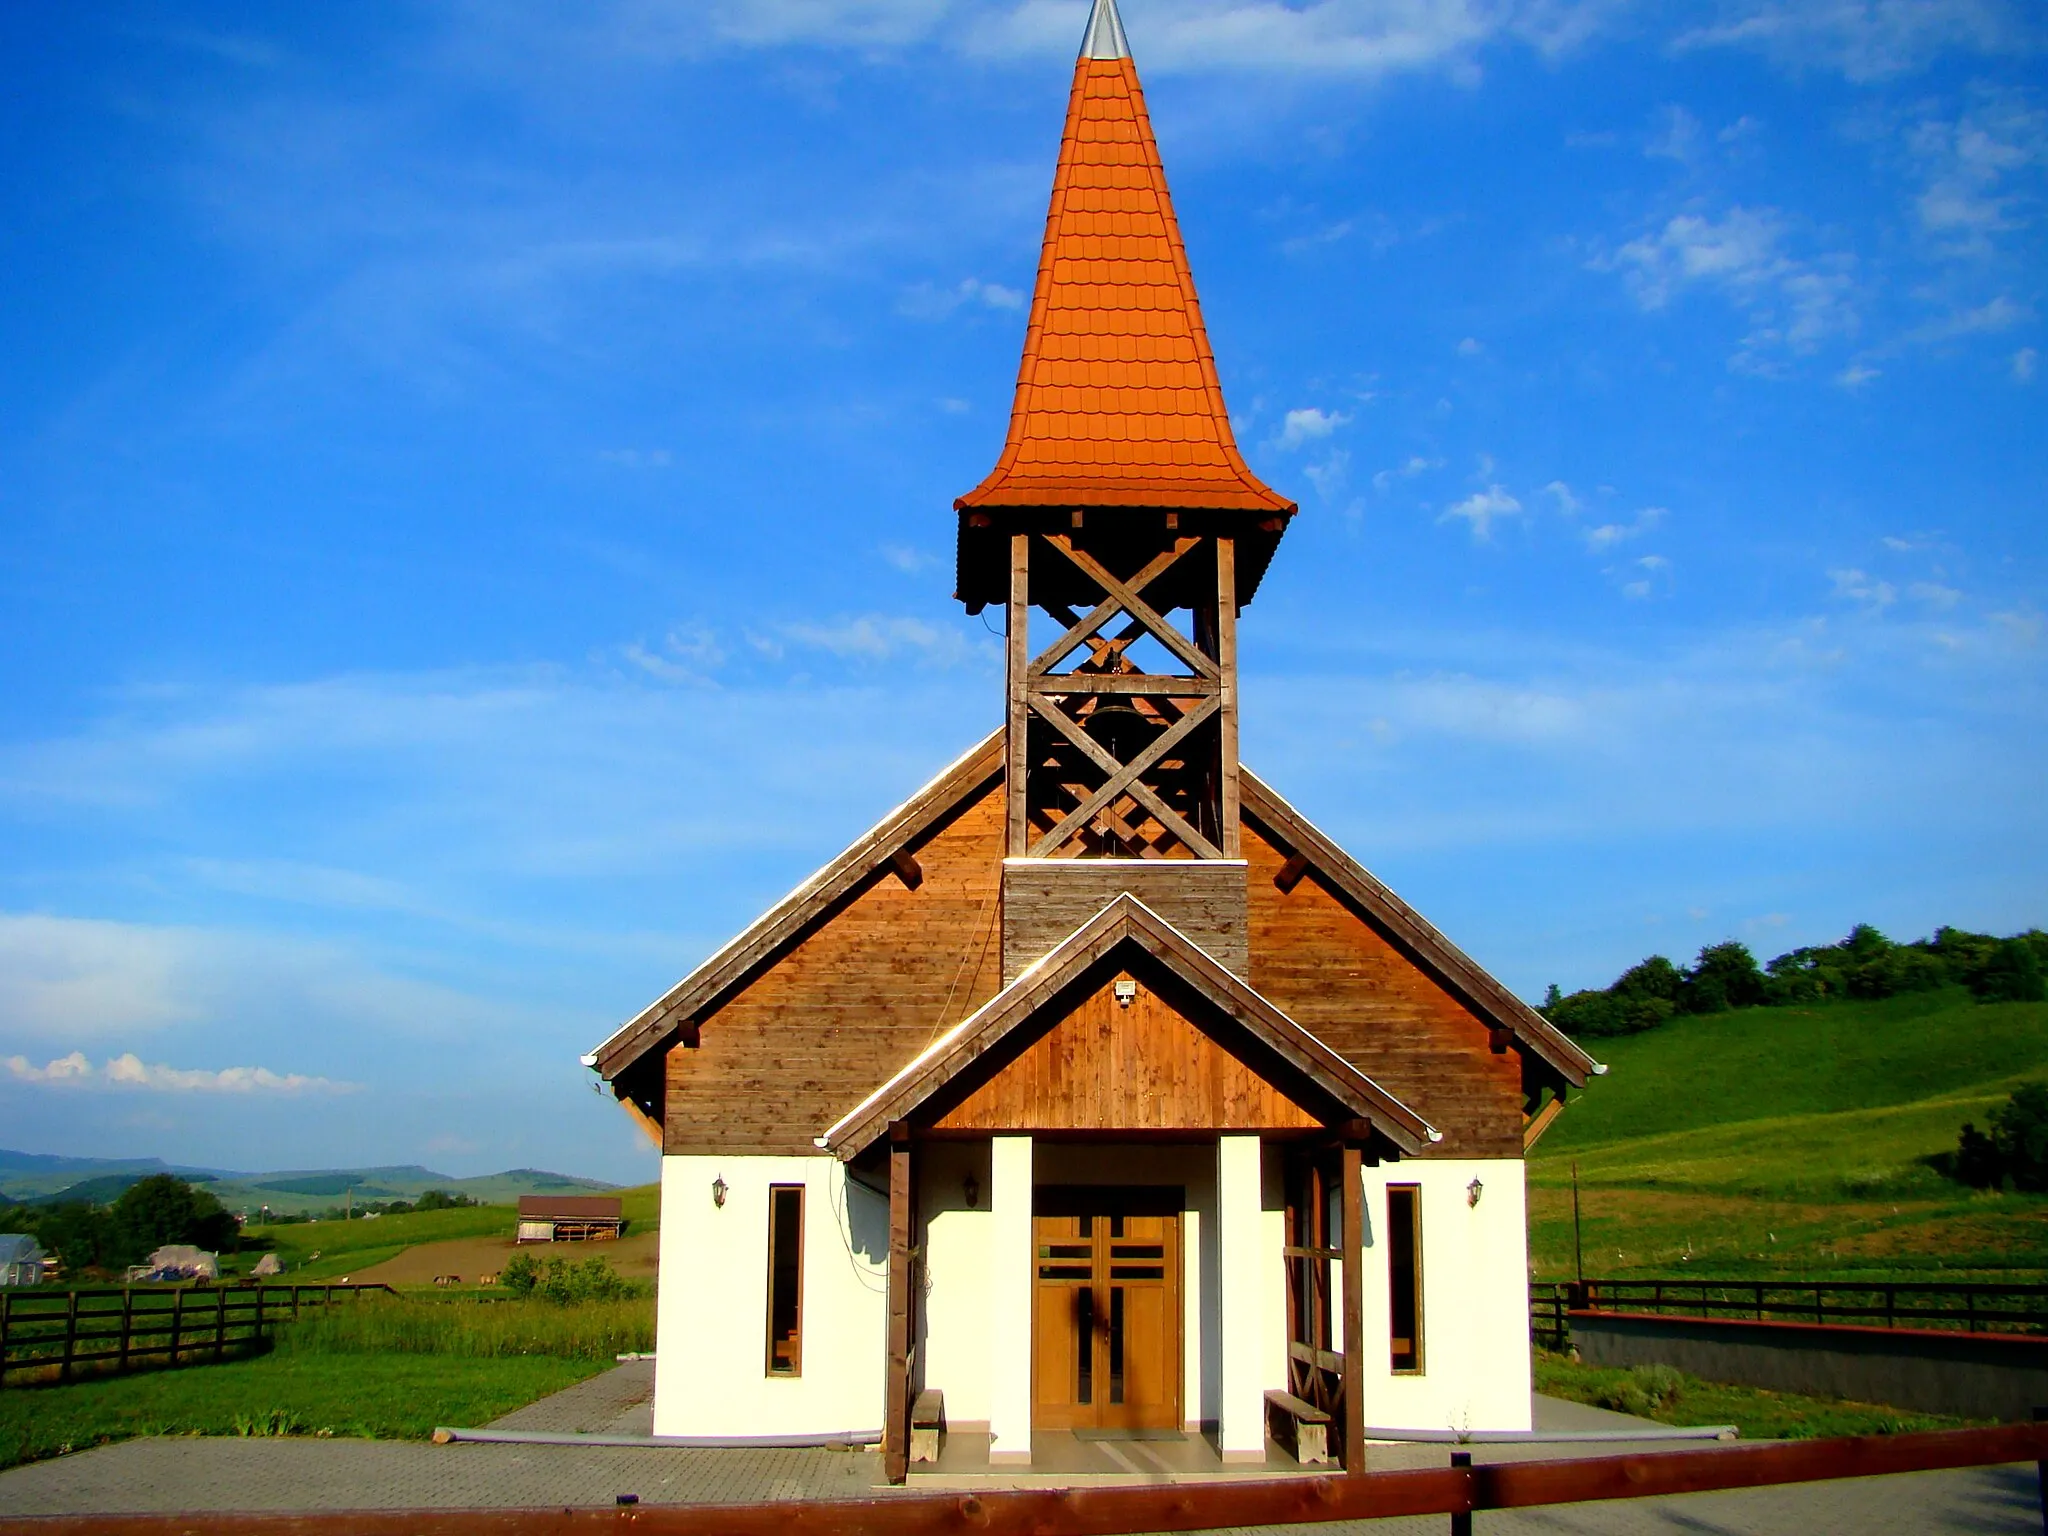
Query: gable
1140,1065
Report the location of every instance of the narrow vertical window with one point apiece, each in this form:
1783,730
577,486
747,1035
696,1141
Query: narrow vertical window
1404,1275
785,1280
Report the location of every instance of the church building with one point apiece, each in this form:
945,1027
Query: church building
1095,1089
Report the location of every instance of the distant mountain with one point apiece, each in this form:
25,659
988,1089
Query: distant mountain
40,1179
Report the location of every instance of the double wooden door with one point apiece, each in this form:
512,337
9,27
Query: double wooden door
1106,1311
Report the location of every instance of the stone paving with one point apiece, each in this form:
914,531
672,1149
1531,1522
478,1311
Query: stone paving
186,1475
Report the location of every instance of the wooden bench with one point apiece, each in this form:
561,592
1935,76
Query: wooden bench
927,1424
1301,1426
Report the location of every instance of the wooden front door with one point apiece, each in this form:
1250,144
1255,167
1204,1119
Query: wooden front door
1106,1312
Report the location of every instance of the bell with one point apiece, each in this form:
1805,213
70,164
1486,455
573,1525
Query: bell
1122,730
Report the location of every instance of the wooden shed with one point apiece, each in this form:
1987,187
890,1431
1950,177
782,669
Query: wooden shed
570,1218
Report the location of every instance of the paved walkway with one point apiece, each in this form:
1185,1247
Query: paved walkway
185,1475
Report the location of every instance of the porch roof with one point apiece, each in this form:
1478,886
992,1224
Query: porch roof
1126,920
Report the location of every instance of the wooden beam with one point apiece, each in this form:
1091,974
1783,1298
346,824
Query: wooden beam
1138,683
896,1378
1078,630
1540,1122
1291,872
1499,1038
1017,716
1127,598
908,870
1226,665
1354,1310
1119,783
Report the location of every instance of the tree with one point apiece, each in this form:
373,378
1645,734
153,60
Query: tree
1975,1160
162,1209
1654,977
1725,976
2019,1127
2011,974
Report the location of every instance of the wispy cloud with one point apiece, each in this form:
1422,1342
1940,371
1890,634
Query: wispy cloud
1481,509
926,301
1865,40
1859,586
129,1071
1605,536
2024,363
1383,480
1309,424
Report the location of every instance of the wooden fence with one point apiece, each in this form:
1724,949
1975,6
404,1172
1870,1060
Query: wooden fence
120,1328
1458,1491
1970,1308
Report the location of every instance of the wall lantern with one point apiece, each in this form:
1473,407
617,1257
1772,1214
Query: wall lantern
971,1188
1125,990
1473,1191
718,1192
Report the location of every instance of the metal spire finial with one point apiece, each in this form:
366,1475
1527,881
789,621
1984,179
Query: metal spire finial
1105,38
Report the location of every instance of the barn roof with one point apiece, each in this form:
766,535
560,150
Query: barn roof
706,988
1126,921
570,1208
1118,403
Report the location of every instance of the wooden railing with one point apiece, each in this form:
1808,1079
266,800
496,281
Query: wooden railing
1994,1307
119,1328
1458,1491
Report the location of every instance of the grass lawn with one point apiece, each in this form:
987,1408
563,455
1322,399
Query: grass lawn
383,1396
328,1250
1671,1397
1789,1141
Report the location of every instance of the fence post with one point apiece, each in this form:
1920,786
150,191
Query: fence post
177,1320
6,1307
220,1322
1461,1519
70,1337
127,1322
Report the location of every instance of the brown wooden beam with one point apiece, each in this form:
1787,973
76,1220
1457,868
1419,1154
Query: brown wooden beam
1017,649
1078,630
1291,872
1152,683
908,870
1127,598
1499,1038
1354,1309
1120,783
1540,1122
1226,665
896,1379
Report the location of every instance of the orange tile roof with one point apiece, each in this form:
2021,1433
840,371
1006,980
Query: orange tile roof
1118,404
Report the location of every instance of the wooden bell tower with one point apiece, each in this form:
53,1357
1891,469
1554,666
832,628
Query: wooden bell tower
1120,511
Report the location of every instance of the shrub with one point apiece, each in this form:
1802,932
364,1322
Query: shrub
563,1281
1646,1391
2010,974
2019,1128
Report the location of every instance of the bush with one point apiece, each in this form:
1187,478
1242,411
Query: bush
565,1282
1645,1392
2010,974
2019,1128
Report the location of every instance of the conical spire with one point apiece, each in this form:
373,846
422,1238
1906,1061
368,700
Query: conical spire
1118,405
1105,36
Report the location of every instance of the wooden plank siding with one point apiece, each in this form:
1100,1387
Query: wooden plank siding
1315,956
870,980
858,996
1137,1066
1044,900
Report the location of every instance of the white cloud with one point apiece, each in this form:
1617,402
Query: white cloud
1480,509
927,301
1934,595
1471,346
1857,374
1674,136
72,977
1329,474
1988,318
1792,303
876,637
689,654
129,1071
1864,40
1308,425
1643,575
907,559
1967,165
1860,587
1607,535
1567,503
2023,364
1408,469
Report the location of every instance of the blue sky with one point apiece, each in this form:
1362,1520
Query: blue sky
476,481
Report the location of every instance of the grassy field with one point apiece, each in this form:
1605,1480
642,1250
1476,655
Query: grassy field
1790,1141
380,1368
328,1250
393,1396
1671,1397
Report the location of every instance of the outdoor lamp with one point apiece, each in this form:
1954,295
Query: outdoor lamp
971,1188
1473,1191
718,1191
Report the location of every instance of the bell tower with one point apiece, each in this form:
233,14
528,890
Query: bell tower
1120,514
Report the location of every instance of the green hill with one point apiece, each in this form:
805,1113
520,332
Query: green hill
33,1178
1791,1140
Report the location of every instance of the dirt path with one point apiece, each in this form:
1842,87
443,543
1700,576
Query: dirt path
472,1258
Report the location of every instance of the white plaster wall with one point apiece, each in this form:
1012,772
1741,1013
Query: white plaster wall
1475,1298
1006,1329
1244,1297
711,1326
955,1322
